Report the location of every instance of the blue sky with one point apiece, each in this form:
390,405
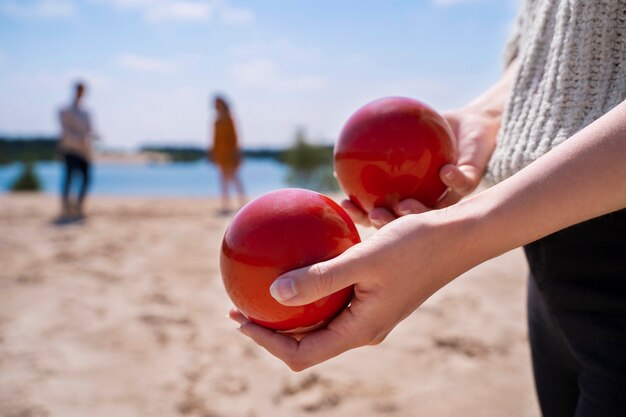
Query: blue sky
152,65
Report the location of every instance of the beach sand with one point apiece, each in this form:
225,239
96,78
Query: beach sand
125,315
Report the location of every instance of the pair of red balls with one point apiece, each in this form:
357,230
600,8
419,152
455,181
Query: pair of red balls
389,150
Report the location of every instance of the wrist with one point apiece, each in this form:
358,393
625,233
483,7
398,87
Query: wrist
467,227
452,236
483,109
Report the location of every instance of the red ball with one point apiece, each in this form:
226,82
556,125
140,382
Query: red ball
275,233
392,149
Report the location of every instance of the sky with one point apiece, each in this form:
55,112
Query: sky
153,66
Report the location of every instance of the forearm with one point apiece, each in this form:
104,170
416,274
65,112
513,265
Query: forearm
582,178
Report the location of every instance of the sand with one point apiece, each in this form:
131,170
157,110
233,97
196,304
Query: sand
125,315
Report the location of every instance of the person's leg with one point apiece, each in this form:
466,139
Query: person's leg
580,273
84,168
67,184
224,180
599,340
555,369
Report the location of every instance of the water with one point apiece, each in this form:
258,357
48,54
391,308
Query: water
195,179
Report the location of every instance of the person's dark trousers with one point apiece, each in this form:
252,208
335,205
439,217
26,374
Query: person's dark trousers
75,165
577,318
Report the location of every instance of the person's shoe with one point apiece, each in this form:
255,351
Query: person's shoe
66,210
78,212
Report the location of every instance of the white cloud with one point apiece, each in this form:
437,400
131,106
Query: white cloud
183,10
264,73
140,63
267,65
156,11
235,15
280,48
47,9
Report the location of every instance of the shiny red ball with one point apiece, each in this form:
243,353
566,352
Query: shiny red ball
392,149
275,233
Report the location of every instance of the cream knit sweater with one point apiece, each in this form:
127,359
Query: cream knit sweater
572,70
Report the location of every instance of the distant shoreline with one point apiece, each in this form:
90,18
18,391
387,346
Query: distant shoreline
16,149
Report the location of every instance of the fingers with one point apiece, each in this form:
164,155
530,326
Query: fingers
410,206
379,217
343,334
355,213
462,180
236,315
311,283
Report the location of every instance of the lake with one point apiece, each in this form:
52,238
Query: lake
196,179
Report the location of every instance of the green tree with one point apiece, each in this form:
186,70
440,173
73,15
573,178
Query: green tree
310,165
28,180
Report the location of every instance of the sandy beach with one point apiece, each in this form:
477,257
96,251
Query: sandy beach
125,316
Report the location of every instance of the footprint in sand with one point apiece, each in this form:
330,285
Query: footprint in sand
11,409
313,393
160,324
64,256
310,394
472,348
230,385
29,279
193,404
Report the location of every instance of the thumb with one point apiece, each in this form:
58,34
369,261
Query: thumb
311,283
462,179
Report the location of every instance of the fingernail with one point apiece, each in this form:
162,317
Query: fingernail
375,222
283,289
449,175
404,212
374,216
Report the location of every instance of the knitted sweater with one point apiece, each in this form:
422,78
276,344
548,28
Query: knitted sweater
572,70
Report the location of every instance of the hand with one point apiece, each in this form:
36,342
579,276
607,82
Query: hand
475,133
393,272
379,216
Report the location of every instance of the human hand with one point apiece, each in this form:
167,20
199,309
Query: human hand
379,216
393,272
475,135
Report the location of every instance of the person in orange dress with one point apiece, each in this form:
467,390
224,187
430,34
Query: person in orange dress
225,153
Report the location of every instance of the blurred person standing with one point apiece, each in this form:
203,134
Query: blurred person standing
225,153
75,148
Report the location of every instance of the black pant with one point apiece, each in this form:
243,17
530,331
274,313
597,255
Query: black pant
78,164
577,318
